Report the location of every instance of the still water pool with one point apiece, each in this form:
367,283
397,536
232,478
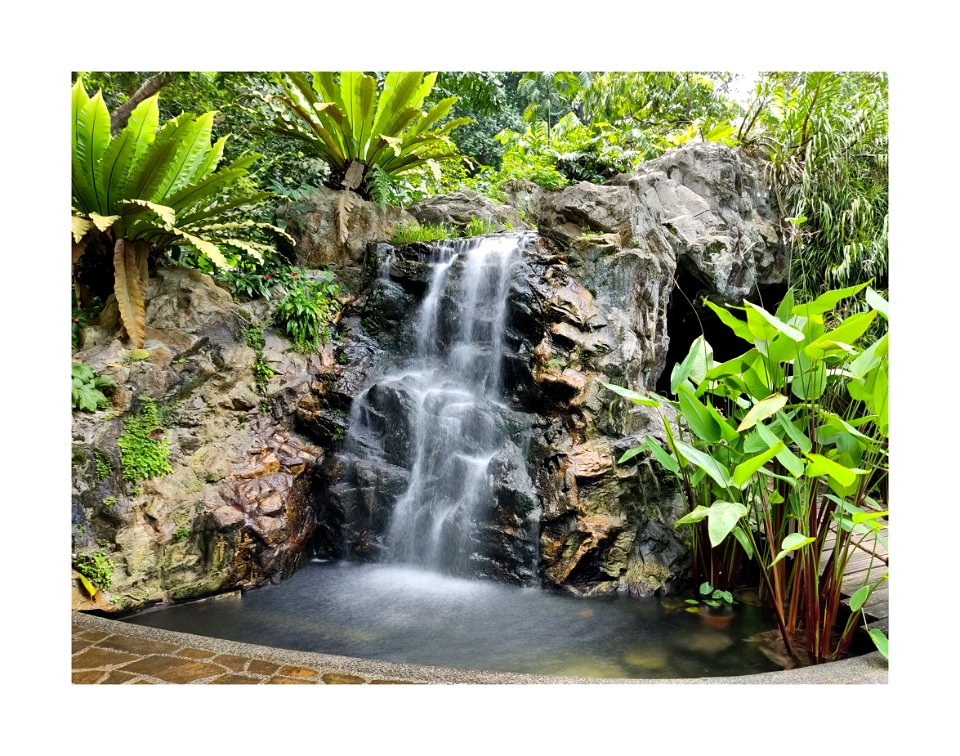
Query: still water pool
404,614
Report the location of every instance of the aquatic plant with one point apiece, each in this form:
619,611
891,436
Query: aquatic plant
769,470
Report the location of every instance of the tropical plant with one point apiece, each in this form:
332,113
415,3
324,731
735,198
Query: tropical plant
87,388
353,124
144,191
710,597
305,313
825,136
96,570
769,471
550,95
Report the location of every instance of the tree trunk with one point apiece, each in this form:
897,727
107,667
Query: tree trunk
120,116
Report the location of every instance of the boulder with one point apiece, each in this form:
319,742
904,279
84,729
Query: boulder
315,223
457,209
704,204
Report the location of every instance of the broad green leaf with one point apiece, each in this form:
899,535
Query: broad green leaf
862,594
878,303
809,378
846,333
826,302
785,457
699,513
727,432
762,410
785,308
697,416
765,326
722,518
630,454
794,432
694,366
745,470
92,139
818,465
792,542
633,396
744,540
859,517
869,358
880,641
739,327
705,462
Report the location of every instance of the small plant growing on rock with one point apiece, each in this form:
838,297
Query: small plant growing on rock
87,389
306,311
143,449
96,568
478,227
408,233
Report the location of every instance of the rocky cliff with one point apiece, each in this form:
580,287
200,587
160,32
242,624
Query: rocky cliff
257,477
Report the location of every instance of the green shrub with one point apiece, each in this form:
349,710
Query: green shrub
143,449
87,389
767,466
96,567
305,313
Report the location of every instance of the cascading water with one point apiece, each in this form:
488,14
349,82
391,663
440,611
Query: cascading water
438,422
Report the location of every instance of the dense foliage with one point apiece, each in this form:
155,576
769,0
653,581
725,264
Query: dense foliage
145,190
770,469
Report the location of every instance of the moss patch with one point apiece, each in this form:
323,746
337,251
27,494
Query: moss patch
143,449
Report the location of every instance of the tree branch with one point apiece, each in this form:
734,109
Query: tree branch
120,116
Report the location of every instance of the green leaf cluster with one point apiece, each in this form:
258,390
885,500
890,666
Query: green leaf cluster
306,312
351,118
147,189
87,389
764,459
144,452
95,567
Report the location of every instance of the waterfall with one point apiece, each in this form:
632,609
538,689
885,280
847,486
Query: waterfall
438,421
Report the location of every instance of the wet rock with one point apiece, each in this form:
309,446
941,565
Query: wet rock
236,509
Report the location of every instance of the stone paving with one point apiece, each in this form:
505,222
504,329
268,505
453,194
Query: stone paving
109,652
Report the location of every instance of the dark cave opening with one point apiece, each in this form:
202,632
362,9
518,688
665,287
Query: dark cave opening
688,317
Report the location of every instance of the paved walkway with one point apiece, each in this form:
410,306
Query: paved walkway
109,652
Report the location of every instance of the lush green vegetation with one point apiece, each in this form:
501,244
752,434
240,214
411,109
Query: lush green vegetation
87,388
96,570
769,467
776,446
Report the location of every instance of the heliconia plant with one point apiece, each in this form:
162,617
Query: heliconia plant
146,189
778,448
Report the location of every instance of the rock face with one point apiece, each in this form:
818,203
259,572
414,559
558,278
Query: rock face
458,208
705,203
587,305
236,509
314,222
251,490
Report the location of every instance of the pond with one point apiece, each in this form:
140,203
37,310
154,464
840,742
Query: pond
406,614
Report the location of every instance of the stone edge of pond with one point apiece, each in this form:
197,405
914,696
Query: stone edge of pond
868,669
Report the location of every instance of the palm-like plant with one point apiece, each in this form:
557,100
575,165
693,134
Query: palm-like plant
353,125
145,190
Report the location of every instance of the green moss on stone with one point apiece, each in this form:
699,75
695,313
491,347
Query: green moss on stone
143,450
